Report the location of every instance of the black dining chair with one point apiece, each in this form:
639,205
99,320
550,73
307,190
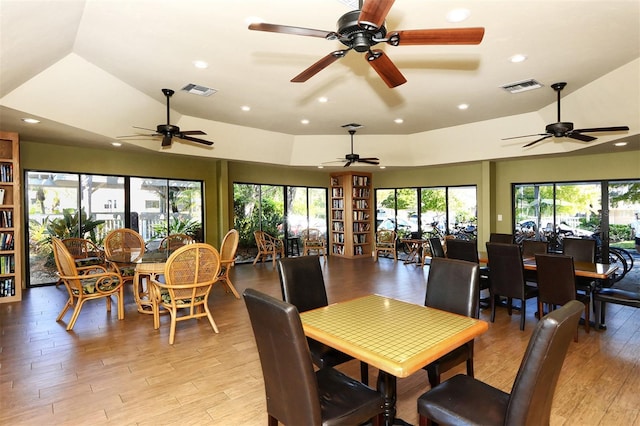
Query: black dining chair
496,237
436,247
465,400
582,250
302,285
453,286
507,278
468,250
296,395
557,284
529,250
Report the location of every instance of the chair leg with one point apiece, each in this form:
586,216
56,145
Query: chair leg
492,301
587,316
364,373
523,312
434,376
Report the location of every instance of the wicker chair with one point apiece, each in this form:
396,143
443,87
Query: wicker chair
268,246
313,241
227,260
386,243
84,252
189,274
175,241
123,248
85,283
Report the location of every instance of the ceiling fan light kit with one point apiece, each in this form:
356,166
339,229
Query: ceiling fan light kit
362,29
562,129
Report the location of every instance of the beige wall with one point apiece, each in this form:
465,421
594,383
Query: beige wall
493,179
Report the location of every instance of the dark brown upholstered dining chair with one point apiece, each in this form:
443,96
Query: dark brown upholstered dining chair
495,237
453,286
302,285
468,250
436,247
507,278
465,400
529,250
296,395
557,284
582,250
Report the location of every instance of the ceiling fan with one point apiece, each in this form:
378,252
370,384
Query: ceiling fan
355,158
565,129
362,29
169,131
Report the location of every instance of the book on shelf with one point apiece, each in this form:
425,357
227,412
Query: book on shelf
2,191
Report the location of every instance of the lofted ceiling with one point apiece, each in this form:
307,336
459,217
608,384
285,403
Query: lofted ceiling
90,70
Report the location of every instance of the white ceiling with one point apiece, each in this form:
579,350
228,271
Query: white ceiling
92,69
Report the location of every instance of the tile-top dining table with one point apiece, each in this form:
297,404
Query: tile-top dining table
398,338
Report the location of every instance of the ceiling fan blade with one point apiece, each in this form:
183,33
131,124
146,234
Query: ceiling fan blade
374,12
536,141
437,36
136,136
347,164
192,132
286,29
374,161
144,128
166,140
198,140
318,66
526,136
603,129
580,137
385,68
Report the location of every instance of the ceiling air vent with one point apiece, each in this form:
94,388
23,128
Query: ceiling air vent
199,90
522,86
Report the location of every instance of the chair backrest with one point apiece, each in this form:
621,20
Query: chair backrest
229,245
81,248
454,286
495,237
175,241
532,393
462,250
124,240
302,283
532,247
259,236
581,249
436,247
311,234
193,265
289,379
385,236
506,270
556,278
64,260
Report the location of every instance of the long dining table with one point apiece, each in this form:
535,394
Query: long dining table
398,338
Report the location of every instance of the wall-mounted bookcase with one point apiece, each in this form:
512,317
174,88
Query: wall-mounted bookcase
10,219
351,214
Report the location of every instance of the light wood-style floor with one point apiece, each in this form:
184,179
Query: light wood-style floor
123,372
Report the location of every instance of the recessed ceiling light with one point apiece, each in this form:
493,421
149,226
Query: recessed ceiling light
383,167
200,64
518,58
304,121
323,99
31,120
620,144
245,108
321,167
398,121
116,144
463,106
458,15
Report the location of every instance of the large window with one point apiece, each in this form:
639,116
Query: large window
67,205
281,211
441,210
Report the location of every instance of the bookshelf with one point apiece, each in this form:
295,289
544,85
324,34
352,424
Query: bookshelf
10,219
351,215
